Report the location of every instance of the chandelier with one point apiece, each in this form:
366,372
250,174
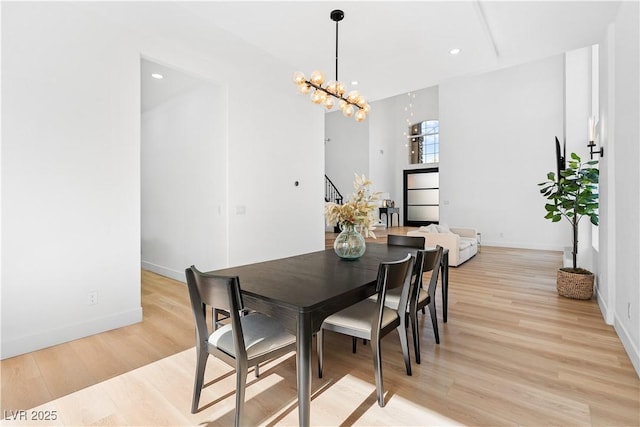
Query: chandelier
327,93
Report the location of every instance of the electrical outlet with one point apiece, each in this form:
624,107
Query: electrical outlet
92,298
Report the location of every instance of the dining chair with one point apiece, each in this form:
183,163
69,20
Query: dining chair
427,260
372,320
396,240
250,339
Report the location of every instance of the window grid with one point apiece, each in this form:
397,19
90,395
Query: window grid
424,142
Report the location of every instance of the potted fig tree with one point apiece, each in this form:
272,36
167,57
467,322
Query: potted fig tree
573,195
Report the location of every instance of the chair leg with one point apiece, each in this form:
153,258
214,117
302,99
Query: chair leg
201,364
319,348
257,370
354,344
377,368
241,385
416,337
402,332
434,320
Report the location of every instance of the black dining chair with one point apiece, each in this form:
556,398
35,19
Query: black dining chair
427,260
371,320
422,297
250,339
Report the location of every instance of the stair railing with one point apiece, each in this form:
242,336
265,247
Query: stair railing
331,193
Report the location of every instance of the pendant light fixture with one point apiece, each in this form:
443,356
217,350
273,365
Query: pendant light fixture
326,93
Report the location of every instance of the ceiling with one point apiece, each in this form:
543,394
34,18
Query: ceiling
389,47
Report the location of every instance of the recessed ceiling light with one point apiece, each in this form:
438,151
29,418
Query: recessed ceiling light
354,83
454,51
157,76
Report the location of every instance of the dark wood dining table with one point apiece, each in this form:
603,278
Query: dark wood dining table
301,291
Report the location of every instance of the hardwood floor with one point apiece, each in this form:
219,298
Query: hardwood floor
512,353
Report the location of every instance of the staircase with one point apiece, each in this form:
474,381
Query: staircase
331,194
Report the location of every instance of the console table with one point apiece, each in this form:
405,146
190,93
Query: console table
389,213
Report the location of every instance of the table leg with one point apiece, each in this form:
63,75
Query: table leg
303,367
445,285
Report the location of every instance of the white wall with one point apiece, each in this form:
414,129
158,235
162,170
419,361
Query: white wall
183,183
497,131
624,157
71,165
346,150
389,122
605,283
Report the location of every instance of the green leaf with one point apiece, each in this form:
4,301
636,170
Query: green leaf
574,156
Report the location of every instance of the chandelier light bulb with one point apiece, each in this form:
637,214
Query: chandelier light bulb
361,101
304,88
348,110
366,108
299,78
331,87
317,78
340,88
353,96
360,115
316,98
329,103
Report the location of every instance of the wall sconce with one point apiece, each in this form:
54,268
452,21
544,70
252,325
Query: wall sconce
592,136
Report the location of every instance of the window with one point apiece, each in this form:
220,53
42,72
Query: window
424,142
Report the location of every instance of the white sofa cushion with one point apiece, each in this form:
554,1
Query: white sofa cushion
465,242
443,228
431,228
460,241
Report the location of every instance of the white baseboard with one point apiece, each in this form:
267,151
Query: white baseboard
516,245
628,344
604,309
164,271
67,333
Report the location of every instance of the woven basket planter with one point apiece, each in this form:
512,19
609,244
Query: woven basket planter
576,284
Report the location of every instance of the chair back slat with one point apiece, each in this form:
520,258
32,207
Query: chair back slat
432,263
408,241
